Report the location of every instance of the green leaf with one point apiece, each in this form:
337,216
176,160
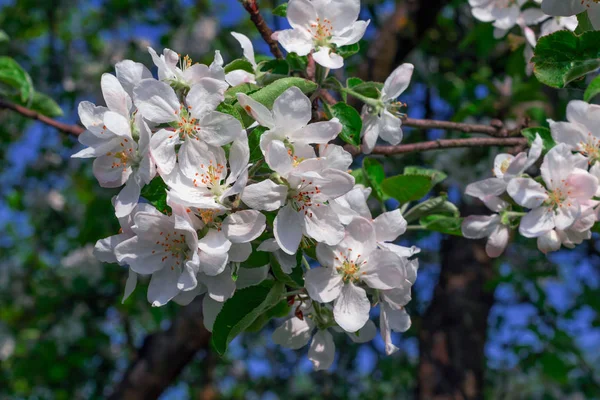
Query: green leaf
156,194
443,224
254,143
296,62
240,63
257,259
295,278
281,10
545,134
359,177
267,95
240,311
45,105
332,83
3,37
281,309
280,67
374,175
230,110
562,57
351,123
349,50
584,23
405,188
592,90
435,175
367,89
354,81
434,205
12,75
246,88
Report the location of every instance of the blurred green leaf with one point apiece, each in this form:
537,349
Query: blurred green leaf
442,224
281,10
545,134
434,205
592,90
435,175
240,63
405,188
45,105
349,50
12,75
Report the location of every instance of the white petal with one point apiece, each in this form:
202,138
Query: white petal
323,225
301,13
390,128
251,276
213,264
220,287
239,252
278,158
323,284
265,195
130,73
327,59
479,226
246,46
497,241
369,132
163,287
293,333
210,309
239,76
567,214
351,308
486,187
127,198
389,225
156,101
563,7
287,229
383,270
352,34
527,192
360,237
244,226
336,156
115,96
130,285
218,129
292,110
318,132
294,41
256,110
537,222
364,334
162,149
205,96
397,82
214,242
549,242
322,350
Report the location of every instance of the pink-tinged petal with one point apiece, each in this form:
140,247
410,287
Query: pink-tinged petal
397,82
567,214
327,59
162,150
292,110
479,226
351,308
239,76
294,333
115,96
287,229
322,350
527,192
486,187
581,185
549,242
156,101
256,110
497,241
265,195
389,225
537,222
323,284
244,226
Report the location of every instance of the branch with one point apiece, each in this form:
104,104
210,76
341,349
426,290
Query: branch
74,130
440,144
252,7
496,127
163,356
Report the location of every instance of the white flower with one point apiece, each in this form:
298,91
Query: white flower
557,24
165,247
582,132
296,332
490,226
353,261
566,8
302,197
182,73
288,124
240,76
318,26
503,13
382,122
576,234
506,168
110,137
195,122
392,318
559,206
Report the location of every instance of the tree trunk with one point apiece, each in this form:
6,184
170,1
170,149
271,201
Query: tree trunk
453,331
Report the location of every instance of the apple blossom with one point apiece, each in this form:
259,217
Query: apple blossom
503,13
494,227
181,73
320,26
582,131
566,8
239,76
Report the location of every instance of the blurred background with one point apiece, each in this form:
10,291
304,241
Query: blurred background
524,326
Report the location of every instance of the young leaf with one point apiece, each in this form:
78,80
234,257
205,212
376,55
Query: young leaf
583,23
434,205
281,10
442,224
351,123
435,175
374,175
156,194
231,110
12,75
297,63
547,140
592,90
405,188
240,63
367,89
280,67
246,88
349,50
240,311
562,57
45,105
254,143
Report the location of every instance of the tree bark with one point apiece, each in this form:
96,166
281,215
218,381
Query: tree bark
453,331
163,356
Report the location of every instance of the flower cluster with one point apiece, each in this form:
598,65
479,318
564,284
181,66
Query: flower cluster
189,131
559,208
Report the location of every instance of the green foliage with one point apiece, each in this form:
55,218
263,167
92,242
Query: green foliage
563,57
240,63
545,134
351,122
45,105
240,311
584,23
592,90
230,110
374,175
281,10
14,78
254,143
3,37
435,205
367,89
405,188
295,278
156,194
435,175
278,67
442,224
349,50
257,259
296,62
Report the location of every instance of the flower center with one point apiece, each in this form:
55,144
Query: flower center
558,197
124,158
350,268
174,248
302,198
321,31
504,166
591,148
210,177
187,126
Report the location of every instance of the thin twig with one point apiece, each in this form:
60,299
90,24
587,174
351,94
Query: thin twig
440,144
75,130
252,7
496,127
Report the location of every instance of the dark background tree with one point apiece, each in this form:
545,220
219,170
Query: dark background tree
524,326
